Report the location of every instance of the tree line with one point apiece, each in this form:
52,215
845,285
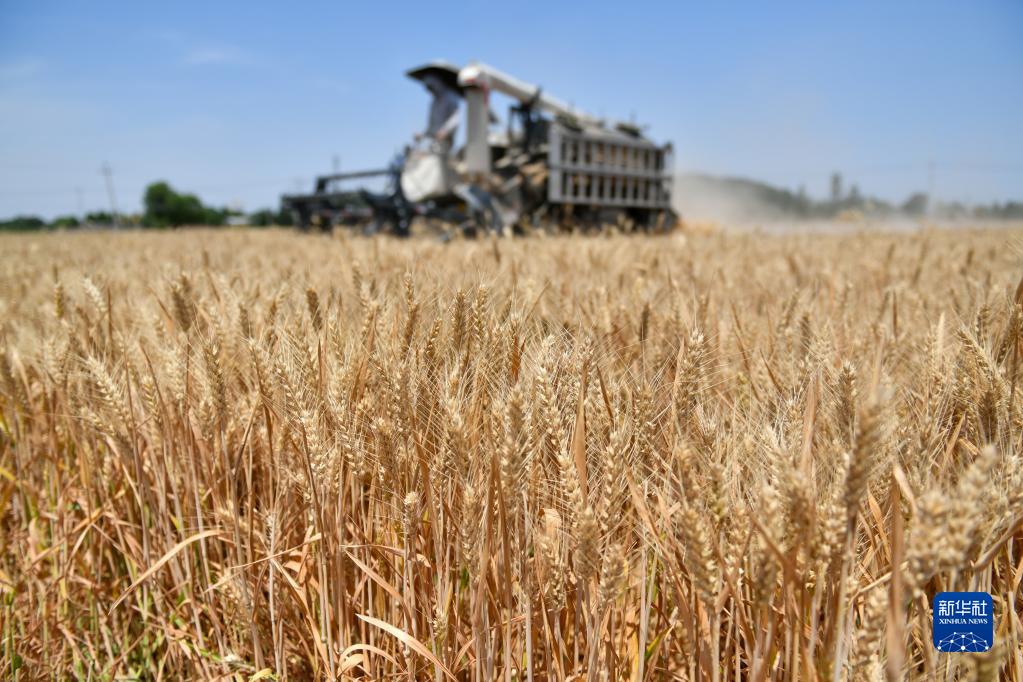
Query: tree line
163,207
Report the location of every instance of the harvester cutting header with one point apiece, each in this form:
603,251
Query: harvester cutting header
548,165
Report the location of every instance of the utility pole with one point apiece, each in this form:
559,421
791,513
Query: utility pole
931,167
337,163
108,175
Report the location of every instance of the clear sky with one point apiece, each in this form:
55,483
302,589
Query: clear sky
240,101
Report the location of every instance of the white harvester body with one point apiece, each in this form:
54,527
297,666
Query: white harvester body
551,163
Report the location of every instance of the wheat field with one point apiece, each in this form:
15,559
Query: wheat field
263,455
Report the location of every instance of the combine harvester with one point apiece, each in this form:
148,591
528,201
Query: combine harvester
550,165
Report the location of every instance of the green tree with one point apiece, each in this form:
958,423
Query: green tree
65,221
99,218
167,208
267,217
22,222
916,204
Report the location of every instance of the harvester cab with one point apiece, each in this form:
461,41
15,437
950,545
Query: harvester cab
550,165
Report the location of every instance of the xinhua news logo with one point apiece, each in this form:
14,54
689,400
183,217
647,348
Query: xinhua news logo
963,622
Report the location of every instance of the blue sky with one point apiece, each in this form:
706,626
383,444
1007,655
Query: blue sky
240,101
